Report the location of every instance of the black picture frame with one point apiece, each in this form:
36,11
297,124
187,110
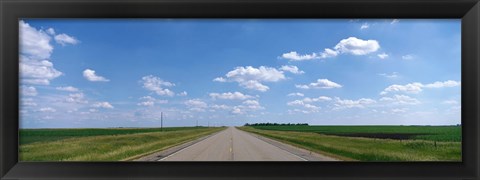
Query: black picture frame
466,10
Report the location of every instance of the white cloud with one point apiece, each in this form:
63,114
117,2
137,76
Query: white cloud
347,103
383,56
408,88
39,72
220,79
222,106
76,98
251,78
196,105
50,31
320,84
401,99
320,98
416,87
35,51
147,101
439,84
64,39
47,109
364,26
328,53
394,21
392,75
155,84
306,103
296,94
247,106
399,110
294,56
408,57
252,104
291,69
105,105
91,76
184,93
67,88
230,96
28,91
34,43
28,102
355,46
351,45
302,86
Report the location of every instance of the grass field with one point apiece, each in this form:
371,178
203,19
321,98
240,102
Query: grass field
445,147
102,144
434,133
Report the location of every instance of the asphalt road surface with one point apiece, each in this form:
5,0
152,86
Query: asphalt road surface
233,145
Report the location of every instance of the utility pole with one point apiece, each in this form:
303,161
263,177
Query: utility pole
161,121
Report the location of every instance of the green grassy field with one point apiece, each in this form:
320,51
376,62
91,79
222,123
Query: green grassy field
434,133
418,148
102,144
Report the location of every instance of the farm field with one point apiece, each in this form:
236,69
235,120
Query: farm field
112,144
358,143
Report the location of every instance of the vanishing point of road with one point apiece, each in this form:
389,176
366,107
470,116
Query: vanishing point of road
236,145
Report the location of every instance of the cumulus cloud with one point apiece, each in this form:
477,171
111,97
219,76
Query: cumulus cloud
47,109
196,105
105,105
291,69
76,98
28,102
307,103
184,93
392,75
247,106
91,76
401,99
296,94
33,42
230,96
157,85
394,21
320,84
35,51
294,56
347,103
67,88
355,46
65,39
416,87
252,78
147,101
28,91
351,45
364,26
382,56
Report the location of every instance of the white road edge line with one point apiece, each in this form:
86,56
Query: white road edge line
188,146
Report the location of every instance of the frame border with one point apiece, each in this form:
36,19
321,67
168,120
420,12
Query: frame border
12,10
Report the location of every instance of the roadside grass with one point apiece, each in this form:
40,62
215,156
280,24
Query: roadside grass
27,136
433,133
366,149
111,147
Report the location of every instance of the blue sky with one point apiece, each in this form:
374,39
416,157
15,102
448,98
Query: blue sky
123,73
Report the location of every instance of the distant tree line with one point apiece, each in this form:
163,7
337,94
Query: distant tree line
276,124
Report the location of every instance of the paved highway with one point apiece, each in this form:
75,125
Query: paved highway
235,145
